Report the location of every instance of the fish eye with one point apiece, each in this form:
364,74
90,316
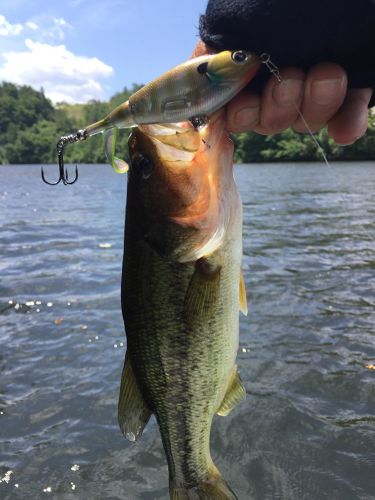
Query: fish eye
239,56
142,165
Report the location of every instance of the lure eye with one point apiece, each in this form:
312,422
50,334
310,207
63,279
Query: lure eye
202,68
142,165
239,56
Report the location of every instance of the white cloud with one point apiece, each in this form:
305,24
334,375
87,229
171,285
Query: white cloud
31,25
63,75
56,30
6,28
46,27
72,93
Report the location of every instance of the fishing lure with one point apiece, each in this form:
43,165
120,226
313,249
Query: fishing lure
190,91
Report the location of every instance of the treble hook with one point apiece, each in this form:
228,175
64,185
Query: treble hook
81,135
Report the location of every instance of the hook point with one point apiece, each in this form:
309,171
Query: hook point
45,180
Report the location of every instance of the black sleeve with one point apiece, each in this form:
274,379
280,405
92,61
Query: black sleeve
297,33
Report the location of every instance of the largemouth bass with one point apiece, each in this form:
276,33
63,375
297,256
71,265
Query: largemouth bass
181,295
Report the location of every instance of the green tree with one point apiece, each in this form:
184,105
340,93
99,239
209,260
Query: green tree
290,146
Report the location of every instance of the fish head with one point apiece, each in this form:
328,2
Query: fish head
181,190
231,67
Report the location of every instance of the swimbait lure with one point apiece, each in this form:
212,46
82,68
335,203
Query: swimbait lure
189,92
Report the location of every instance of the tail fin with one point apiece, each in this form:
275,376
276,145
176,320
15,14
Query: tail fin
209,489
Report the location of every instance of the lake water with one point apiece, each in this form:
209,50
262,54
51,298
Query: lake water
307,428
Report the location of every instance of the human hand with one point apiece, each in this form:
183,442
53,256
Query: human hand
322,95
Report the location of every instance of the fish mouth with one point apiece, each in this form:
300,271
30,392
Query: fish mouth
176,142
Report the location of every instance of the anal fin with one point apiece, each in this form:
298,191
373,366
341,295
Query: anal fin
235,393
133,412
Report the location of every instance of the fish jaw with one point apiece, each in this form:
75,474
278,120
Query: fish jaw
186,208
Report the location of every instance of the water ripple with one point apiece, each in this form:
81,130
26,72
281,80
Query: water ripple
306,430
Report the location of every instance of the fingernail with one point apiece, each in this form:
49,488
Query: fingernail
349,143
325,91
246,117
343,144
287,91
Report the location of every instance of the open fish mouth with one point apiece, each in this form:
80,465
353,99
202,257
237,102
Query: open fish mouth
175,141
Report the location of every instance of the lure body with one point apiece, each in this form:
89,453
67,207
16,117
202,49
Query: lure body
195,88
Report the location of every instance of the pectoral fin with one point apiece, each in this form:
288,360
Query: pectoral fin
243,298
235,393
133,412
203,290
110,139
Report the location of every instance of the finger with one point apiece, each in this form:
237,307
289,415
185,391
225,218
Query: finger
350,122
201,48
280,101
325,90
243,112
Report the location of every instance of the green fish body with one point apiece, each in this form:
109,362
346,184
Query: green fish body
181,295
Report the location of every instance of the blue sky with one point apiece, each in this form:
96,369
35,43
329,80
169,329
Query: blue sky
79,50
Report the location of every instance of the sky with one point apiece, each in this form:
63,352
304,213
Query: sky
78,50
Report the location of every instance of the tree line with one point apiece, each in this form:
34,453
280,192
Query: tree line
30,127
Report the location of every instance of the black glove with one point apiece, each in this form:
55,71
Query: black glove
297,33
